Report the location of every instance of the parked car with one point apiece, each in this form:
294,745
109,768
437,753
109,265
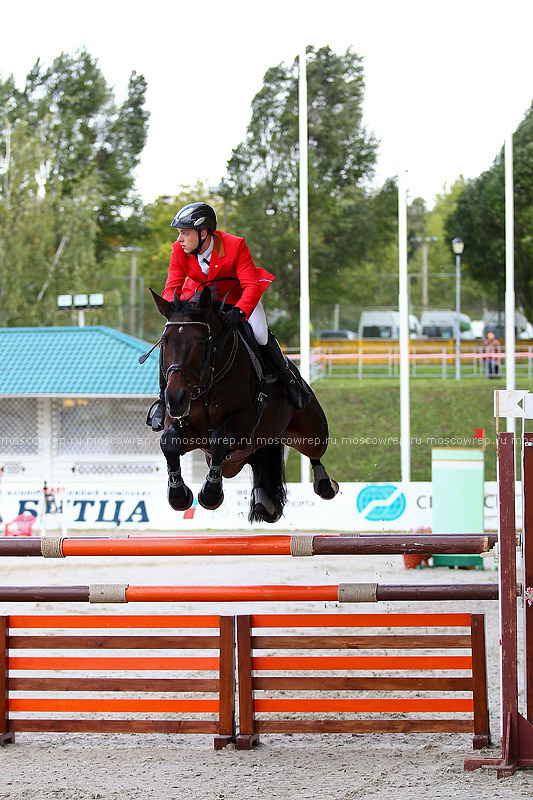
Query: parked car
340,334
385,324
495,321
439,323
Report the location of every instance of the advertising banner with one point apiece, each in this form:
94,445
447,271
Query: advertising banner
138,506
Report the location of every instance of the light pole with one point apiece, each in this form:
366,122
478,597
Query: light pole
133,283
458,246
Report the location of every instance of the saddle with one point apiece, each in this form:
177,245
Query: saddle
248,339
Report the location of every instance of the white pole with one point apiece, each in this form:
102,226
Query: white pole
510,380
457,317
304,240
403,308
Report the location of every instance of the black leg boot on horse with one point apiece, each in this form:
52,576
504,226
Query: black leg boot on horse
295,391
158,409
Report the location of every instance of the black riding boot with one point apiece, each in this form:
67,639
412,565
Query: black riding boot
296,393
157,411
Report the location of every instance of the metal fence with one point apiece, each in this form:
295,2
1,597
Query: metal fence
423,363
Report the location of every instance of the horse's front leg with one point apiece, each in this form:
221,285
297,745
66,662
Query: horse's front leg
179,495
211,495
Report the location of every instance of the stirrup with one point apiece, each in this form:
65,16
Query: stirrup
153,419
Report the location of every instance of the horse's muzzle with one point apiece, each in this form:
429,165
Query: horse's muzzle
178,403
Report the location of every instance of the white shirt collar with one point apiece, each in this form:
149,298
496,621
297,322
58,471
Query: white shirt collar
206,255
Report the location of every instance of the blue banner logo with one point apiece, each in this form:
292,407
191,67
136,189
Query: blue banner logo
381,503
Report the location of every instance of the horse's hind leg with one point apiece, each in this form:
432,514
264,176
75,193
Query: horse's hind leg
323,485
211,494
269,493
179,495
308,433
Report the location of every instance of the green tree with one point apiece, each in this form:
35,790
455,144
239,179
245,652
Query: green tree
344,215
479,219
67,195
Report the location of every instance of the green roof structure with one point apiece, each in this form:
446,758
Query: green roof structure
69,361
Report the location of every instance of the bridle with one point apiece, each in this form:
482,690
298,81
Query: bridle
206,375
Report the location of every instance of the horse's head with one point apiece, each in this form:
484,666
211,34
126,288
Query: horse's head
188,348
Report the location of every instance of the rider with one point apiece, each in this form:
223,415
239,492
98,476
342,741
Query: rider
201,253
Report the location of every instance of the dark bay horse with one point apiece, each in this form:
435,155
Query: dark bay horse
217,402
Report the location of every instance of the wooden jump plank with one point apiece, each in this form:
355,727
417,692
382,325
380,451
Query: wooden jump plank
364,726
385,642
361,662
413,705
114,725
361,683
107,684
114,642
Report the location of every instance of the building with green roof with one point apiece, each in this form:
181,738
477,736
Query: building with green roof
72,362
73,403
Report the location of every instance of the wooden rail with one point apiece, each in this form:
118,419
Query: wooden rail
258,544
289,690
131,669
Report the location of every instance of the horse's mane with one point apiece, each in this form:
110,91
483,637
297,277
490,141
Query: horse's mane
192,309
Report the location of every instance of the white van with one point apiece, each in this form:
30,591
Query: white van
495,321
386,325
439,323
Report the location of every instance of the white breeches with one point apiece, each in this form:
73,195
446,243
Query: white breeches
257,320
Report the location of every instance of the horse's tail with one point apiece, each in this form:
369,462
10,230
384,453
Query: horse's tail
268,468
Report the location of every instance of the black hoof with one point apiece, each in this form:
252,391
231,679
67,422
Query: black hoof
210,505
326,488
265,516
181,502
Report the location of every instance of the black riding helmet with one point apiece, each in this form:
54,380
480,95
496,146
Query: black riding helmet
198,217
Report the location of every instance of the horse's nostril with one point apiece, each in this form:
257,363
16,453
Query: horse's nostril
177,402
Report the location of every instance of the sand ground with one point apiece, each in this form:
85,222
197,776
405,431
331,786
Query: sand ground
306,767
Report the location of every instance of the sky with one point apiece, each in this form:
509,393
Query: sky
445,81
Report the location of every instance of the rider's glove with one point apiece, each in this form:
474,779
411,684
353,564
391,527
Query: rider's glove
231,318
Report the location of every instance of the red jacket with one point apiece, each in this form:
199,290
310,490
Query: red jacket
230,258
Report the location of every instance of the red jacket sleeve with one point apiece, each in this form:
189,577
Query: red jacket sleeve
176,274
248,279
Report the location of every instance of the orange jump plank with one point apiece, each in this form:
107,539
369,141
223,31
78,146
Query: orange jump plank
339,704
113,705
361,662
343,620
229,593
186,546
117,621
99,663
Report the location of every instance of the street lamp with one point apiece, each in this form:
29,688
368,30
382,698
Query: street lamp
458,246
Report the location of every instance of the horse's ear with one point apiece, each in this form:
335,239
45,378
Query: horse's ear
163,306
206,298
